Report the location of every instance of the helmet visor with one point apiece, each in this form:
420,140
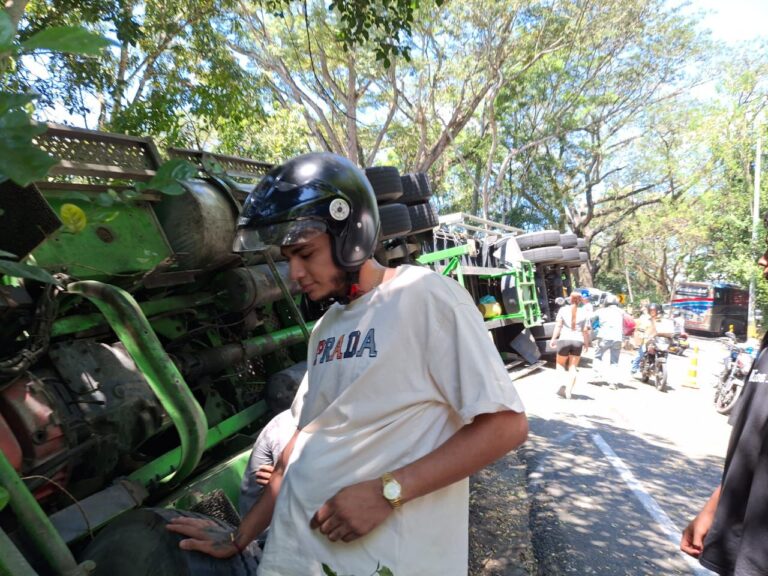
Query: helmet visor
279,234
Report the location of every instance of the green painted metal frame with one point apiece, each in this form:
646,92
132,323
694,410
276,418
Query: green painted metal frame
36,524
159,469
117,240
530,313
134,331
78,323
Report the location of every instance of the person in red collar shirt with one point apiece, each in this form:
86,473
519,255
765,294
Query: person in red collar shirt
730,534
405,395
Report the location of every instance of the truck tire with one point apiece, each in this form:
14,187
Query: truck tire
138,543
538,239
543,255
395,221
570,256
568,240
544,331
416,188
385,181
423,217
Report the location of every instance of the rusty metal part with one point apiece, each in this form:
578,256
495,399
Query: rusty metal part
29,408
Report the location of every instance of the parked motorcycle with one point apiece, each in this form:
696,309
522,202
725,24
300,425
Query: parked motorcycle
654,362
733,377
679,344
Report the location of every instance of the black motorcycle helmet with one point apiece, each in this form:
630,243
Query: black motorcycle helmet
654,307
307,196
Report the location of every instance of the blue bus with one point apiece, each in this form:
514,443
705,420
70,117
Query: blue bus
712,307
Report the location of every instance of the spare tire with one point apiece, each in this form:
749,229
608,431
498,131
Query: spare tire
571,255
138,543
423,217
568,240
416,188
544,255
385,181
395,221
538,239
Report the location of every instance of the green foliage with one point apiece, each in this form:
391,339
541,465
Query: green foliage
20,160
380,571
67,39
167,177
19,270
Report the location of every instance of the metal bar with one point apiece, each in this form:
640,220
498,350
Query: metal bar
12,562
72,324
134,331
286,293
446,254
35,523
462,219
157,470
217,359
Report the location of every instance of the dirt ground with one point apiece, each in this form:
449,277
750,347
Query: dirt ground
499,534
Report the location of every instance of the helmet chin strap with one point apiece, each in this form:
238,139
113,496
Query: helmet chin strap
350,288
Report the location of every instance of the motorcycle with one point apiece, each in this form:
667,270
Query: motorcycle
654,362
733,377
679,344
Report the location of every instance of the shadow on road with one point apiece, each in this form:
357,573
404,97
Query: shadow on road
584,517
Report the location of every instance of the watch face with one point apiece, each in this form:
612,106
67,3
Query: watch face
391,490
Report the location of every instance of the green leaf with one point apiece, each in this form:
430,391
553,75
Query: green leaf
76,196
327,570
4,254
20,159
105,200
384,571
22,163
25,271
70,39
7,31
10,100
166,179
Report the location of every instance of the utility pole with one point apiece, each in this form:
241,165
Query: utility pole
752,332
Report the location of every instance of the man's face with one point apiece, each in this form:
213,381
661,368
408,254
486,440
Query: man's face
312,266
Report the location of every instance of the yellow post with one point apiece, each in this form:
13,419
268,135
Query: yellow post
693,370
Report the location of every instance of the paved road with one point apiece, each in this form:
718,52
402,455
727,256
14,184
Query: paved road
614,475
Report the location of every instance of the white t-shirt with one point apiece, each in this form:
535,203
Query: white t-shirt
611,320
575,332
392,376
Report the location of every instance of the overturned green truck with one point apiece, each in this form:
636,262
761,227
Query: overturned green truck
136,382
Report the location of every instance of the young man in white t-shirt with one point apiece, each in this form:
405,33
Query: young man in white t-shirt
405,395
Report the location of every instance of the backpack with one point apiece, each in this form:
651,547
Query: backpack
629,325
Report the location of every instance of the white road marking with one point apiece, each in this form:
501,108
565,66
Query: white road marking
647,501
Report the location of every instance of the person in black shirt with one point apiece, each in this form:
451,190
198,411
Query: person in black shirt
730,534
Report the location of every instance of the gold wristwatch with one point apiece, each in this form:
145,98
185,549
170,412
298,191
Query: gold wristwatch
391,490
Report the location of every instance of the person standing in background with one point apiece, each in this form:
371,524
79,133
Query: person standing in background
571,337
610,334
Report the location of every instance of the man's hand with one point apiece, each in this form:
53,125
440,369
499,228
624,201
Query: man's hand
263,474
205,536
692,542
353,512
